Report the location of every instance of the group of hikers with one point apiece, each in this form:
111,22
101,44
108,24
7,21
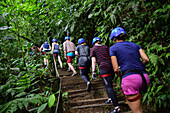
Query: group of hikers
124,58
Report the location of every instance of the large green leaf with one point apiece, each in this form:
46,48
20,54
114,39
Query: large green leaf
51,100
41,108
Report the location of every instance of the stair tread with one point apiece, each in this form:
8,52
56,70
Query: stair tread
79,98
81,90
84,93
96,105
89,100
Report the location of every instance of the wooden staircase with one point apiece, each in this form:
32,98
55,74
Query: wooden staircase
81,101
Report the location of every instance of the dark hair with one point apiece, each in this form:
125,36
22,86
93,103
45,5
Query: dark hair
98,41
122,36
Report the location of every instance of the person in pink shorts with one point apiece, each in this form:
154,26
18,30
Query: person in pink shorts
131,85
135,79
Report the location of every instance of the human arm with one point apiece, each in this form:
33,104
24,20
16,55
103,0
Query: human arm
93,64
49,47
65,53
52,48
64,48
115,66
38,49
41,48
59,47
93,68
144,57
76,51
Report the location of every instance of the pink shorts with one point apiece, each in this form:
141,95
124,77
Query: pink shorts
132,84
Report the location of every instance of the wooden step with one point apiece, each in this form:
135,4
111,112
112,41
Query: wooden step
82,86
80,81
77,79
84,90
96,105
127,112
77,86
81,101
89,100
74,83
86,93
69,77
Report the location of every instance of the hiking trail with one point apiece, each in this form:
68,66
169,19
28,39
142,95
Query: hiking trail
81,101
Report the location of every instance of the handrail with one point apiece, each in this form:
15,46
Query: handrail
59,101
57,74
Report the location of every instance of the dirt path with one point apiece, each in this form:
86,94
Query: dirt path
81,101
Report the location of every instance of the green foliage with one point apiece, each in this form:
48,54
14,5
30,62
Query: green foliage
22,90
158,90
51,100
41,108
24,22
65,97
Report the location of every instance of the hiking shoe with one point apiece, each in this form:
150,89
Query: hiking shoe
74,74
88,88
45,66
116,110
108,101
68,70
94,76
61,68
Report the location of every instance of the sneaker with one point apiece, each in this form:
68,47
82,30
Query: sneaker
116,110
88,88
68,70
94,76
45,66
108,101
74,74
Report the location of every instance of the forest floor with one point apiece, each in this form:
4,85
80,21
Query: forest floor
81,101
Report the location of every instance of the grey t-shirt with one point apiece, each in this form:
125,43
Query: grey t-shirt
84,55
83,50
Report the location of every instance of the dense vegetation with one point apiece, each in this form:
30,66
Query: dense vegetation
27,22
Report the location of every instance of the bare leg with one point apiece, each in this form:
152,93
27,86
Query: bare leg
59,60
55,61
71,67
135,106
45,62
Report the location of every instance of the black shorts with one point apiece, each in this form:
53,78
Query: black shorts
56,54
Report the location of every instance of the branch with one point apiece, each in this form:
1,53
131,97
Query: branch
29,40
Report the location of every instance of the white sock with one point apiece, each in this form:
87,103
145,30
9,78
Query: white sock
88,82
116,107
